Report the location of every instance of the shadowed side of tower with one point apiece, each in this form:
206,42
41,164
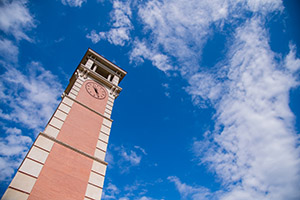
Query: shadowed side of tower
67,160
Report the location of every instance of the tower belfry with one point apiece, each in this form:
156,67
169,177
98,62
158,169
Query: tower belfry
66,161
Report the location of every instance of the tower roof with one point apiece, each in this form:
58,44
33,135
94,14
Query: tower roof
103,61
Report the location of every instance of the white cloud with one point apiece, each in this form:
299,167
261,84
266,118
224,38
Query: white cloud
119,34
191,192
124,198
21,104
135,191
125,158
264,6
165,85
131,157
141,149
28,98
110,192
179,29
254,146
128,158
28,101
145,198
94,36
141,51
206,86
73,3
8,50
13,147
291,62
15,18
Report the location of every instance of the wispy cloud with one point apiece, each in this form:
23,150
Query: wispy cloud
253,148
131,157
27,102
191,192
15,19
141,149
140,52
124,198
179,29
119,34
73,3
8,50
145,198
28,98
136,191
125,158
13,147
110,192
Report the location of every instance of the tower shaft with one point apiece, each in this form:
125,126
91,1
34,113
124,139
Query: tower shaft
66,161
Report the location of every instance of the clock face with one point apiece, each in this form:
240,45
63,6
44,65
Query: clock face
95,90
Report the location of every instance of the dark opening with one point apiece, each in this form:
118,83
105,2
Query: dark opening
102,72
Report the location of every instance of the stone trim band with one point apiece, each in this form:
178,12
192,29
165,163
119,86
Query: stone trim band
88,107
72,148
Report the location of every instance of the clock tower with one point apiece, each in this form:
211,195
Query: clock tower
66,161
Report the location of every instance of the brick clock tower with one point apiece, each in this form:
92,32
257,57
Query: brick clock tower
66,161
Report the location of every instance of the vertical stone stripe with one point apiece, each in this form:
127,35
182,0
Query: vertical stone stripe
107,122
97,175
105,130
96,179
44,143
64,107
22,182
56,122
110,103
59,117
30,169
75,88
77,85
103,137
79,81
99,167
11,194
93,192
68,101
109,106
74,91
51,131
38,154
99,154
101,145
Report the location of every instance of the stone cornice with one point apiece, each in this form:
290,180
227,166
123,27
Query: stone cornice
107,62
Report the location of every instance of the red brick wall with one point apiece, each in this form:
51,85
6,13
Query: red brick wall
66,172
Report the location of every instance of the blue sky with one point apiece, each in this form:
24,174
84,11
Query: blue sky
210,106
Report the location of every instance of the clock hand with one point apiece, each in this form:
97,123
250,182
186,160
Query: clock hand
96,91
